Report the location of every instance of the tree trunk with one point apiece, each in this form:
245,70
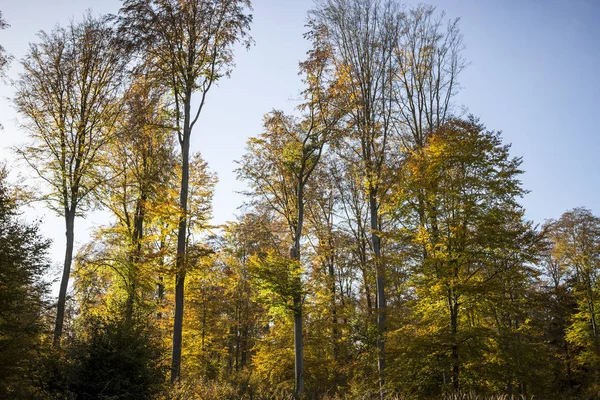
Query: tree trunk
181,250
453,332
298,334
381,304
160,284
509,390
334,322
64,282
134,259
298,347
244,345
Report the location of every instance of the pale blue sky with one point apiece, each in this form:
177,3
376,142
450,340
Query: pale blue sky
533,73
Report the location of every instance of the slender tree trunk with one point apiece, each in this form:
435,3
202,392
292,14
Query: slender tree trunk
130,301
453,332
181,250
593,322
244,345
334,321
298,334
134,259
381,304
567,360
298,347
364,271
160,284
64,282
509,390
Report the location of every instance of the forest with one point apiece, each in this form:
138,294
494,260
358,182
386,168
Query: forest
381,249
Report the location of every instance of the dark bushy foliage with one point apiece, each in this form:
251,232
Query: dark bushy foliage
23,261
117,359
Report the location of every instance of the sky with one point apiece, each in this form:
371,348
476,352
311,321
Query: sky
533,74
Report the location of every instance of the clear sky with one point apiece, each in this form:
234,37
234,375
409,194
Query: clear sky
534,74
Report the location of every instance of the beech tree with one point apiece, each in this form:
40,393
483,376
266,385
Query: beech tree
142,163
363,37
427,64
278,166
473,238
280,163
68,99
401,68
187,46
575,252
4,57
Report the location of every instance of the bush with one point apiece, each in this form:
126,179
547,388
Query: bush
117,359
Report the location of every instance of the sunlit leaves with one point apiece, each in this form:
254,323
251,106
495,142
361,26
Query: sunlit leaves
277,279
68,98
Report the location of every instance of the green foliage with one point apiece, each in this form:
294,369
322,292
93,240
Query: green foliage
573,265
277,279
469,268
23,304
113,358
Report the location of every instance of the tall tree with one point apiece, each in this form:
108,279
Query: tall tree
143,164
291,149
188,45
401,69
278,166
68,96
473,240
363,35
427,63
23,261
242,240
575,238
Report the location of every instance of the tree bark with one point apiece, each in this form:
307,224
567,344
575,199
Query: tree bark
334,322
381,304
134,259
64,282
298,348
453,332
181,250
298,334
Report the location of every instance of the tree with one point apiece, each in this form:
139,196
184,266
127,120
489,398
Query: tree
427,63
4,58
243,239
280,162
469,241
23,262
188,46
278,166
68,96
575,252
363,35
401,71
142,163
559,305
